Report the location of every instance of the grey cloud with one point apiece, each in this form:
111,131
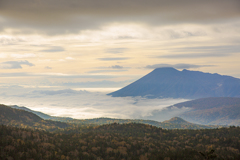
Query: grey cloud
104,71
62,16
178,66
211,49
113,59
54,49
115,50
117,67
9,41
203,51
14,64
47,67
193,55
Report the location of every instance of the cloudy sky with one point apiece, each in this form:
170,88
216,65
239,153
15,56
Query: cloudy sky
110,43
53,51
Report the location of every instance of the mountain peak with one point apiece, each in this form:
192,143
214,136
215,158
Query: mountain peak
176,120
165,69
168,82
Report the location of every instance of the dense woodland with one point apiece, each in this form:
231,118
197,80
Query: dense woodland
25,136
119,141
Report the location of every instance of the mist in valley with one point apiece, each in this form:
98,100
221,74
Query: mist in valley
88,103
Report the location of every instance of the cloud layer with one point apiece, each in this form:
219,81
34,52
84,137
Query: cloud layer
83,104
72,15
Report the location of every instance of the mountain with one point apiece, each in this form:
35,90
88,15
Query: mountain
211,111
168,82
24,119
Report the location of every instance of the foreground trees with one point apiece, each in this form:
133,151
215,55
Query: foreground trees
119,141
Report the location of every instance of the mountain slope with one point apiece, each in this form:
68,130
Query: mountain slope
171,83
214,111
20,118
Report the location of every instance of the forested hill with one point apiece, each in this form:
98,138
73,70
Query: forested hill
171,83
101,121
214,111
20,118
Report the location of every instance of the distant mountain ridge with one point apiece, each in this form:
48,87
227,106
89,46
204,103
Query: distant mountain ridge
25,114
204,111
170,83
212,111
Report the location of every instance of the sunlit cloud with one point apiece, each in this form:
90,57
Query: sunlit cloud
3,55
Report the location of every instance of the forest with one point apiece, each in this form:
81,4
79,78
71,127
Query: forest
25,136
133,141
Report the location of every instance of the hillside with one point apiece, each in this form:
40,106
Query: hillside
101,121
214,111
171,83
20,118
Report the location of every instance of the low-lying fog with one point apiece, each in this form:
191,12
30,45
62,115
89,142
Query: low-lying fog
88,103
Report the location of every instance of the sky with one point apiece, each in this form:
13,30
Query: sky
111,43
102,45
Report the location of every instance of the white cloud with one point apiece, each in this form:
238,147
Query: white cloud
3,55
69,58
82,104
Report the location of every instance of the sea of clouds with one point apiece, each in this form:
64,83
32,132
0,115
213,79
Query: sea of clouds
88,103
